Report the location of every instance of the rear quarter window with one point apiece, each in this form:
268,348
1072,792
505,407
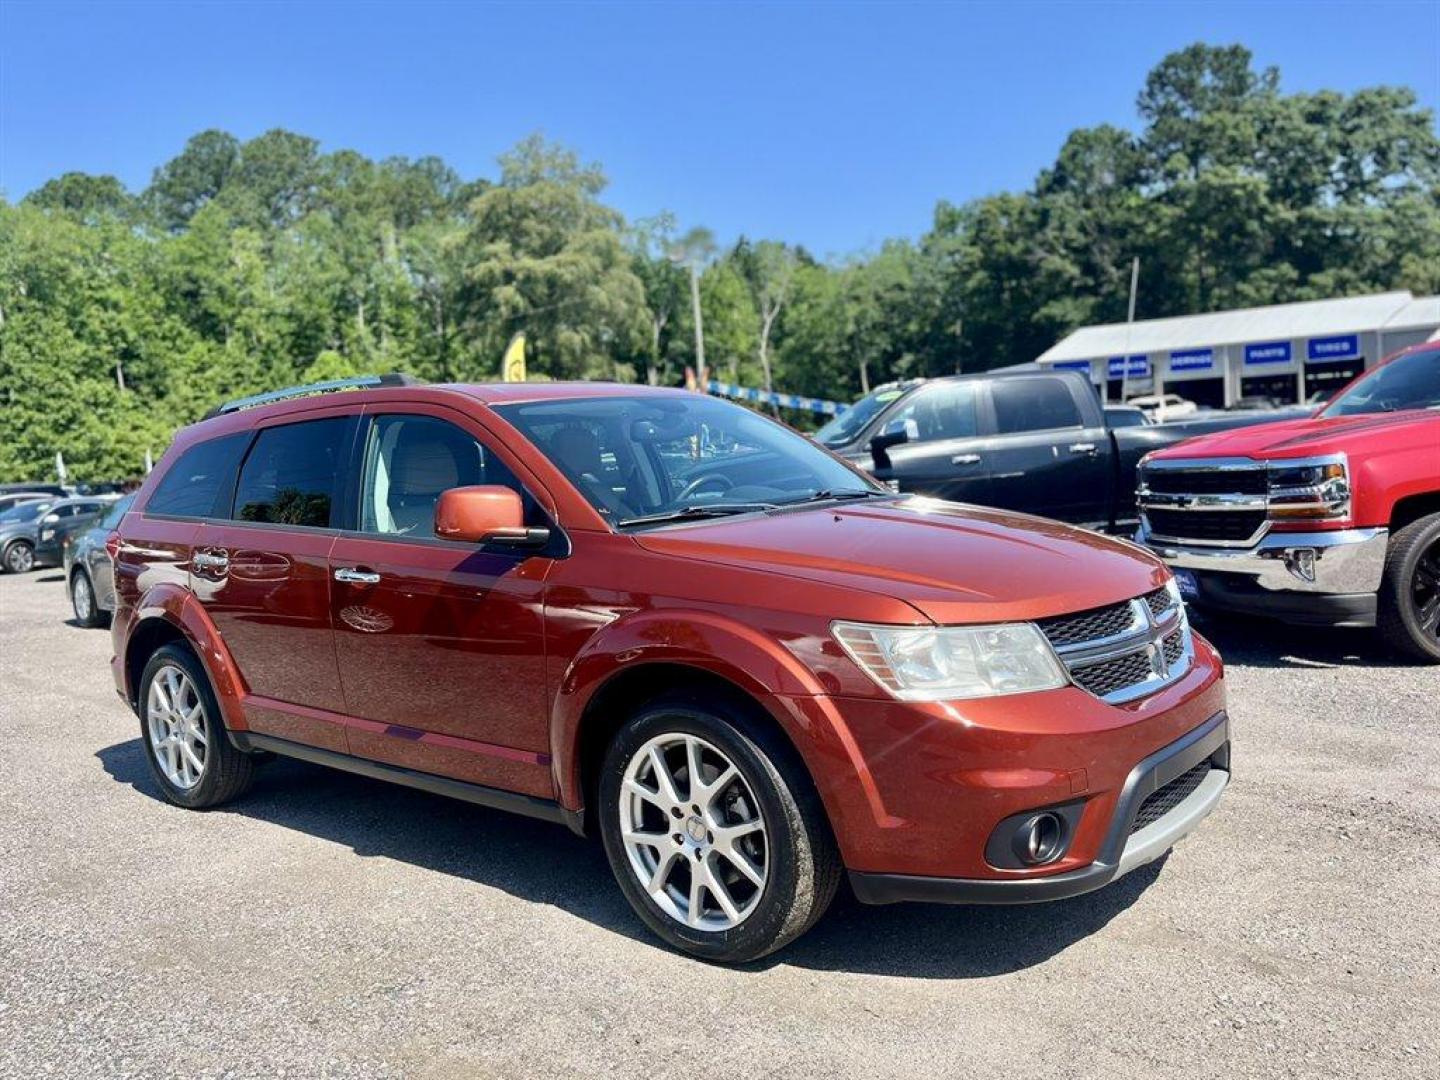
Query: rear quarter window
200,480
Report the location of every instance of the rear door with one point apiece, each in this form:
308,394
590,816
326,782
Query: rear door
1043,456
263,575
441,643
945,459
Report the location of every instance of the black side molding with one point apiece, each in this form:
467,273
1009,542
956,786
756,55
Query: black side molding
495,798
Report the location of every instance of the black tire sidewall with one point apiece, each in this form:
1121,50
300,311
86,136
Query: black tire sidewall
762,930
203,793
1401,620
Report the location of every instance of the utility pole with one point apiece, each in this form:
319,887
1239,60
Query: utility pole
701,374
1125,360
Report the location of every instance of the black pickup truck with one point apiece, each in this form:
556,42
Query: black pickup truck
1031,440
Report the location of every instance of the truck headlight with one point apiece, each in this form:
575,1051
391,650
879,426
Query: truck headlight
1317,489
945,663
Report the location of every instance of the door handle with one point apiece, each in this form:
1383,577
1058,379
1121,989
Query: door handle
965,459
353,575
210,560
1083,448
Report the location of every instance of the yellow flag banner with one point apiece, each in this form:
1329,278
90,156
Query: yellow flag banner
512,365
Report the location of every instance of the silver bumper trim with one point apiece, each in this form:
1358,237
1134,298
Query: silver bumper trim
1149,843
1345,560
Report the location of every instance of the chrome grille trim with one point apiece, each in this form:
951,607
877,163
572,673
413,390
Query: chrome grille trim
1153,650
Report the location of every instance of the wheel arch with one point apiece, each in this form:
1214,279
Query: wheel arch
1412,508
170,614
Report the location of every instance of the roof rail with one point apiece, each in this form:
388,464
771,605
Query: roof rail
359,382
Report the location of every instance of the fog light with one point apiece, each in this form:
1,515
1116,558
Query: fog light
1301,563
1040,839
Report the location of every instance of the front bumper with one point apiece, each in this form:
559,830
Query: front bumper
1123,849
1329,577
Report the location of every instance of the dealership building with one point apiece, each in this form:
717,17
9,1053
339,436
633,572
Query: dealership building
1288,352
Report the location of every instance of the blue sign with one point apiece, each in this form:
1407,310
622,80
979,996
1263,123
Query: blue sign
1322,350
1192,360
1268,352
1073,365
1131,367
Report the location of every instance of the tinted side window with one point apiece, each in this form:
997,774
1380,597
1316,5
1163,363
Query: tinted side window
292,474
410,460
1032,405
200,479
942,412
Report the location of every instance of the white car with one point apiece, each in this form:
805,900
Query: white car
1163,407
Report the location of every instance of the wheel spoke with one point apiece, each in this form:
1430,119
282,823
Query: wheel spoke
661,876
716,888
634,787
1430,614
663,780
192,758
742,862
697,886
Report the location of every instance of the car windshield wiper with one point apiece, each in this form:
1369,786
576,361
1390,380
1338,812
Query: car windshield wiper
826,495
690,513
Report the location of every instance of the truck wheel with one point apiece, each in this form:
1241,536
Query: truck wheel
1409,603
714,831
19,558
185,742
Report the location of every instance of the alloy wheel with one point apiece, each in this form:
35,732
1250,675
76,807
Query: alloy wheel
693,832
1425,591
81,599
176,723
19,559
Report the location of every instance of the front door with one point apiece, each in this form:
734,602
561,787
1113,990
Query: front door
944,459
263,577
440,643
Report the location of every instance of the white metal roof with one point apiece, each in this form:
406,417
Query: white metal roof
1278,322
1421,311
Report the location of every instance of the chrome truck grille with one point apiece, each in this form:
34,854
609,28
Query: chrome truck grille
1124,651
1210,505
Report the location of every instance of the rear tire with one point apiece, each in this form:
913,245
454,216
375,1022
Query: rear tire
82,601
1408,611
185,742
19,558
764,822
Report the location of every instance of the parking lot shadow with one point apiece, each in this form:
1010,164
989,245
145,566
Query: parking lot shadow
1271,643
545,863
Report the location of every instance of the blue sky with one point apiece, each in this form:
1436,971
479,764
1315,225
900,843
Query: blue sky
836,126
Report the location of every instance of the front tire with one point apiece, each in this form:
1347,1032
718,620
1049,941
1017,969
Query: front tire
185,742
19,558
714,830
1409,602
82,601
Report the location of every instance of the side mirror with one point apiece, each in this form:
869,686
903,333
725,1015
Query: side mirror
49,519
894,433
485,514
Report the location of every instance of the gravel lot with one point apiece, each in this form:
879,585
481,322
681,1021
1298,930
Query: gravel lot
332,926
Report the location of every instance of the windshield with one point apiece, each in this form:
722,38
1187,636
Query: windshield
852,421
1409,382
662,458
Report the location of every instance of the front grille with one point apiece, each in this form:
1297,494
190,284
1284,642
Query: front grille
1121,651
1207,481
1174,647
1212,525
1112,676
1167,798
1086,626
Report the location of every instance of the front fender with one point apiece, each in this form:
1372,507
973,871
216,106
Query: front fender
750,659
178,607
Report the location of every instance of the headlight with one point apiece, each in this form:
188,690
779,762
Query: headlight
46,534
1315,489
943,663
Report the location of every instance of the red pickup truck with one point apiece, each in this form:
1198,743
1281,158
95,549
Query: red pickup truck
1330,519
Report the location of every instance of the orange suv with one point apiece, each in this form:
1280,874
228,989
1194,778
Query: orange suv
662,618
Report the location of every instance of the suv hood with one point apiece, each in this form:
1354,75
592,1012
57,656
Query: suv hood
1307,436
953,563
